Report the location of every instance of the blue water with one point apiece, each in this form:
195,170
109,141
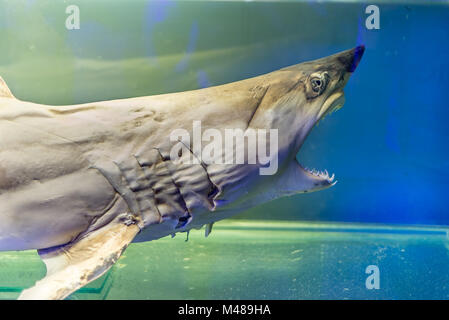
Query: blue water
389,145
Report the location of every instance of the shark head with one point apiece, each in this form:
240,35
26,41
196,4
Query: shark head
296,99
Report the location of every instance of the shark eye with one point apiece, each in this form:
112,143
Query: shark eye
318,83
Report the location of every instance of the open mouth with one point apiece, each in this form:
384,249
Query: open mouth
332,104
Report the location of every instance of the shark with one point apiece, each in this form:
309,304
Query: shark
79,183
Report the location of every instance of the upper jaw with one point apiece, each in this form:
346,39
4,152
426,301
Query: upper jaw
334,102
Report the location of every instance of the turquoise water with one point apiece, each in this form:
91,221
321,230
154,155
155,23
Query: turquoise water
388,146
265,260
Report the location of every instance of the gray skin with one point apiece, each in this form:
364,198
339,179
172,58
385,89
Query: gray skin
68,171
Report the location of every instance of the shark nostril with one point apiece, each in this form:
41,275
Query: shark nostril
358,53
350,59
356,57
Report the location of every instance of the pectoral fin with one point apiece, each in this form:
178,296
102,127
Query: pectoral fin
4,90
76,264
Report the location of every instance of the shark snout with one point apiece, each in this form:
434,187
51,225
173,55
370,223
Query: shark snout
351,58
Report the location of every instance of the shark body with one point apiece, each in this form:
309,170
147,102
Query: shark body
79,183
